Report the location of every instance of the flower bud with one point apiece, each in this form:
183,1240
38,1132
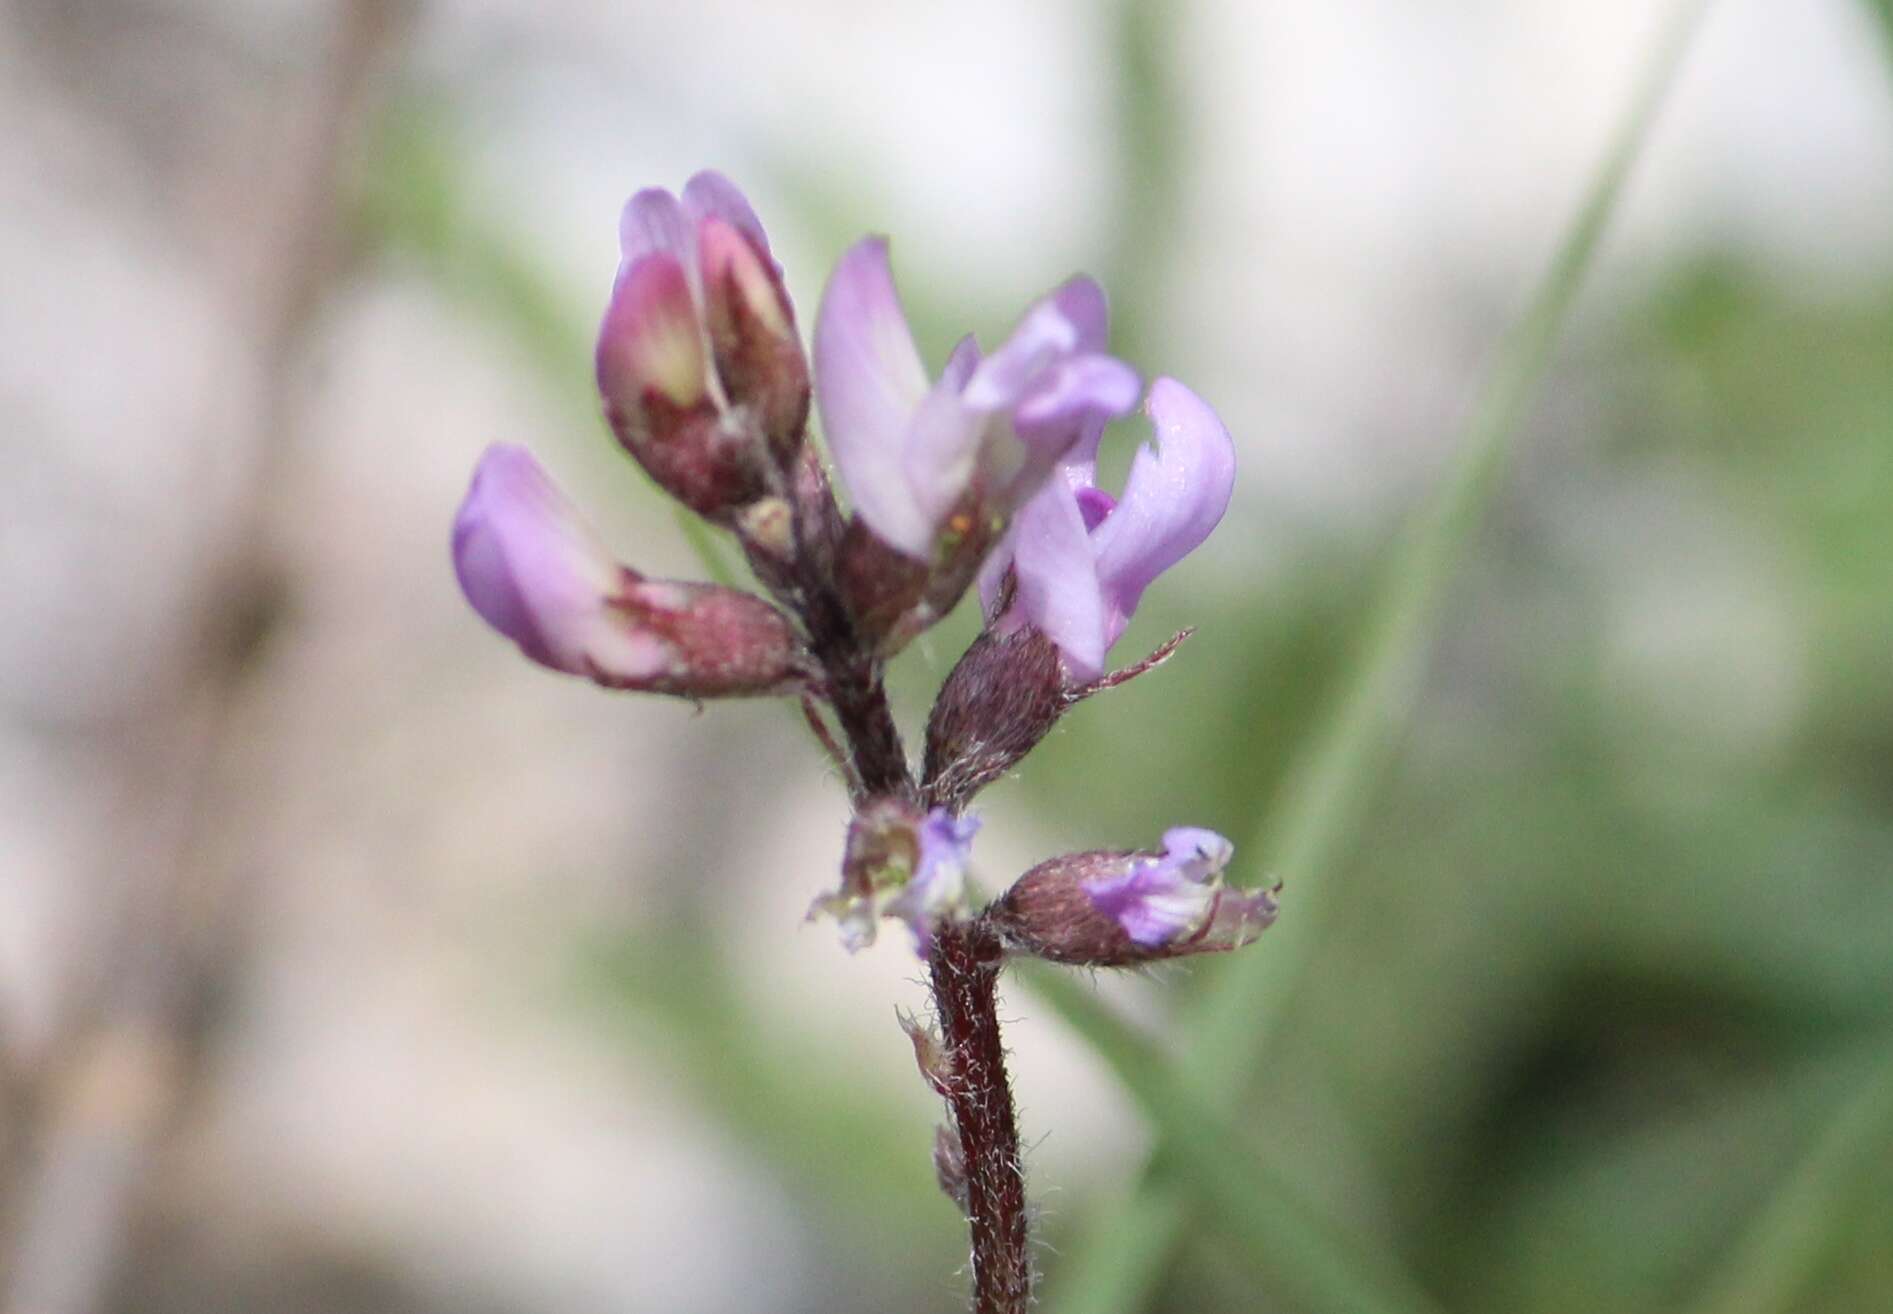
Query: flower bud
758,356
1003,696
703,378
537,573
654,377
1118,909
767,525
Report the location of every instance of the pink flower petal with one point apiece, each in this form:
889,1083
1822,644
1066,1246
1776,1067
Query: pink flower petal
1057,578
709,195
868,382
653,221
1174,497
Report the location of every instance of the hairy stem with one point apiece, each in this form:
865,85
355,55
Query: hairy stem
965,977
965,967
966,956
859,698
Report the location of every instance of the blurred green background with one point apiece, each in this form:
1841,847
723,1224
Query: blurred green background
348,963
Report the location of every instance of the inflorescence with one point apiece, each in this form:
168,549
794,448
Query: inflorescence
985,477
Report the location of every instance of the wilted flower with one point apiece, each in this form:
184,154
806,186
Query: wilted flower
1114,909
937,889
538,574
1077,561
901,864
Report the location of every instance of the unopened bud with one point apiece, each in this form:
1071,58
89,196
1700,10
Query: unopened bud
1001,698
752,335
538,574
1118,909
654,377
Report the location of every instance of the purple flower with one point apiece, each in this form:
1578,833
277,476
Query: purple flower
698,360
1081,559
1170,897
536,572
901,864
989,429
1110,908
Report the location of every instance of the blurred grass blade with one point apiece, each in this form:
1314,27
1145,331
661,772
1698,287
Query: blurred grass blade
1122,1249
1257,1213
1305,833
1770,1266
1153,153
413,199
1882,10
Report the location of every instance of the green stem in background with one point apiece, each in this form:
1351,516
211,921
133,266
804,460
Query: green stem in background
1770,1265
1305,834
1882,10
1151,153
1262,1217
1123,1249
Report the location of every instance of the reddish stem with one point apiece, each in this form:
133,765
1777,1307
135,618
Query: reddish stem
966,955
965,966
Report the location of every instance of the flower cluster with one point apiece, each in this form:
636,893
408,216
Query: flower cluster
986,474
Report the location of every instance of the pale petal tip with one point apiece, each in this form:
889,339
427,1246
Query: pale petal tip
1197,845
652,220
1082,301
710,194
